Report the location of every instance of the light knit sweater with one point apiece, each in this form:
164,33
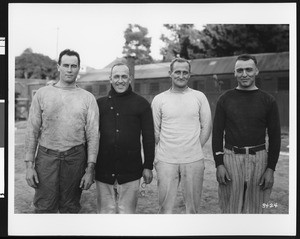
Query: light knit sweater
182,123
60,119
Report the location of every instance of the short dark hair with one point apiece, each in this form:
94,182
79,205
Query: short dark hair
119,64
178,59
68,52
246,57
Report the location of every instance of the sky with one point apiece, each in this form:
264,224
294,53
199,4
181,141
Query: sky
96,31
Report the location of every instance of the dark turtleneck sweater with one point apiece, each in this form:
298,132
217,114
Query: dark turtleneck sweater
245,117
124,118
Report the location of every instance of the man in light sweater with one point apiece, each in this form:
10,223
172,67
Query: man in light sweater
182,123
63,122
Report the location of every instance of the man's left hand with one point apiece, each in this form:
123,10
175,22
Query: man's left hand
267,179
87,180
147,175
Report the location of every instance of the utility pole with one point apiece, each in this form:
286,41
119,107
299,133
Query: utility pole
57,30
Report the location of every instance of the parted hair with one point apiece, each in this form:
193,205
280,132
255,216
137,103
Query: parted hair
68,52
178,59
246,57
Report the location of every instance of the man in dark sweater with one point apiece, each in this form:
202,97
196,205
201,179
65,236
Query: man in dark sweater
125,118
245,165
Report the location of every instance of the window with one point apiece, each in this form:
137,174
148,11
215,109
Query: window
283,83
154,88
225,85
89,88
258,82
199,85
102,89
137,87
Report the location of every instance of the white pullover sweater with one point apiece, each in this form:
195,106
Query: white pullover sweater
182,120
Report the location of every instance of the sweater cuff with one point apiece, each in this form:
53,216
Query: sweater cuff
271,166
218,159
148,164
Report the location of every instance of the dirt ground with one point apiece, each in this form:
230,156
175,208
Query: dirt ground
148,204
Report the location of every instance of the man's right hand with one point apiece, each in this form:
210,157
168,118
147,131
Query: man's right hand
31,175
222,175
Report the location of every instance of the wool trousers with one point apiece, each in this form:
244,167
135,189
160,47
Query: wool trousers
59,175
243,194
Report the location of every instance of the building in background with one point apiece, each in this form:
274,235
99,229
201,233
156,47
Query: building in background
211,76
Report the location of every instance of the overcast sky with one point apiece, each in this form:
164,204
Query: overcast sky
96,31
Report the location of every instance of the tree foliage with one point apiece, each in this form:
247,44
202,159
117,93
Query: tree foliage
183,42
217,40
31,65
137,44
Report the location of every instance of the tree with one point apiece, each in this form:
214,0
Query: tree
183,42
217,40
137,44
31,65
233,39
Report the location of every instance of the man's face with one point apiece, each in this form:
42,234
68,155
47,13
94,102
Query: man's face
245,73
180,75
120,78
68,69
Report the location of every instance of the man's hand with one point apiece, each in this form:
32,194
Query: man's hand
88,178
267,179
222,174
147,175
31,175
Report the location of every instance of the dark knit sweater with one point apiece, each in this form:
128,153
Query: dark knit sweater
124,117
245,117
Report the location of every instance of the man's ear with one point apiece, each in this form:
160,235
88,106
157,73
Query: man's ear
58,67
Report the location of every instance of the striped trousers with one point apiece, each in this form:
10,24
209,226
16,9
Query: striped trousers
243,193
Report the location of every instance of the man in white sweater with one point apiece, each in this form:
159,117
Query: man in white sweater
182,123
62,141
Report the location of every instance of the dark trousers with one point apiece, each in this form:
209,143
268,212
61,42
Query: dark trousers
59,175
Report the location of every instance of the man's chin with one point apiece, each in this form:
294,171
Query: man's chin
120,90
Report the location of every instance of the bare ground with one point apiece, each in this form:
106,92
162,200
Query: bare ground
148,204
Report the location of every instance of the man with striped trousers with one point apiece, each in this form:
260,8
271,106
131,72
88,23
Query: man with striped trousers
248,119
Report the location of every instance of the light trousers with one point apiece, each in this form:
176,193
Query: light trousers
243,193
117,198
169,176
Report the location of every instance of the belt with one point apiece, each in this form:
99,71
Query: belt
245,150
61,153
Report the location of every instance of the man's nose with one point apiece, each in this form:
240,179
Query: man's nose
244,72
181,74
120,78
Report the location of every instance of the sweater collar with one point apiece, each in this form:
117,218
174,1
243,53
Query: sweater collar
113,92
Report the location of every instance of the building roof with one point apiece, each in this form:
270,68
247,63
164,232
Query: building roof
207,66
224,65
